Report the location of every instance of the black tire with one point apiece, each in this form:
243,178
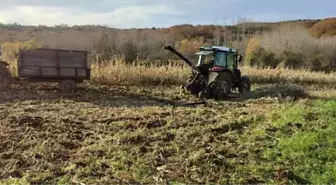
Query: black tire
202,95
5,78
68,86
245,85
223,85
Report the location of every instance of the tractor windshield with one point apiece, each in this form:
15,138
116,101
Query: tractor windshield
220,59
224,59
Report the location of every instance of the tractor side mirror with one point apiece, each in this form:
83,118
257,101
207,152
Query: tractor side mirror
240,58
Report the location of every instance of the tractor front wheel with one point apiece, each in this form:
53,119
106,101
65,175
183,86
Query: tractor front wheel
245,85
5,78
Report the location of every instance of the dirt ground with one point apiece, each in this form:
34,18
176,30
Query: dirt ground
129,135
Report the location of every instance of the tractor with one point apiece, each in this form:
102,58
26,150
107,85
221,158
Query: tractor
215,74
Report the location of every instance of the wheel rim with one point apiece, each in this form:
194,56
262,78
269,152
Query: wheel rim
245,88
68,87
224,87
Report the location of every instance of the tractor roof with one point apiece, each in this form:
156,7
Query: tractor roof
213,48
204,52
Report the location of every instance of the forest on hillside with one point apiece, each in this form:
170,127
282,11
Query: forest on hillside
294,44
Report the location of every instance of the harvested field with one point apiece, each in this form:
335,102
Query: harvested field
143,135
130,124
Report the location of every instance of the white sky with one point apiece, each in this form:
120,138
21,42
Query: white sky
163,13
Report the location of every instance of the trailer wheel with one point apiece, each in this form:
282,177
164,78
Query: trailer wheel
5,78
68,86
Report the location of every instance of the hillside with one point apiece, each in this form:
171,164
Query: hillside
84,34
294,44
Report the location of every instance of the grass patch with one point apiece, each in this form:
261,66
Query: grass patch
307,145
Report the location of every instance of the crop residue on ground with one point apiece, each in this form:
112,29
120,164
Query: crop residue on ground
133,135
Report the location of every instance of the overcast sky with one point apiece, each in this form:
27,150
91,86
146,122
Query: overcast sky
158,13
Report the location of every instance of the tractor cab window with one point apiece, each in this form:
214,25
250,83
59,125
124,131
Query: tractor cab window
210,60
230,60
200,60
205,57
220,59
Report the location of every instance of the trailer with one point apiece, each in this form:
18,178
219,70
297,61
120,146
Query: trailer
67,67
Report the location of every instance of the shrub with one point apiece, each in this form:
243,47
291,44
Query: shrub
10,51
189,46
263,58
252,48
129,51
292,60
319,63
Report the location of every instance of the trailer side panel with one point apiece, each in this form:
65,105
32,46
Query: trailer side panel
53,63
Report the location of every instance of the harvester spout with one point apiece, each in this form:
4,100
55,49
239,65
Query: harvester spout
173,50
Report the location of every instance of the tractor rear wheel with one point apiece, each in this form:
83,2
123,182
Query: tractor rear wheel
223,85
5,78
245,85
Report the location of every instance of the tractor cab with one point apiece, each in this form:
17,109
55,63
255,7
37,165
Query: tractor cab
217,58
